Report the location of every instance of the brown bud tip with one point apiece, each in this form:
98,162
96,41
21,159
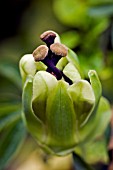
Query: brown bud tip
47,36
59,49
40,52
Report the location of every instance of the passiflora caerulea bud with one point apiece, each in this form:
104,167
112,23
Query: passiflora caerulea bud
58,104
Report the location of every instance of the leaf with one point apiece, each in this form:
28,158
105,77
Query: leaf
94,33
7,108
70,38
94,151
112,36
71,13
79,163
9,119
100,2
10,72
101,11
11,139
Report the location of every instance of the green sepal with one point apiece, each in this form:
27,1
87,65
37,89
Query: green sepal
27,66
71,72
33,124
62,63
83,99
87,129
102,118
61,120
72,58
43,83
41,66
97,140
80,163
96,85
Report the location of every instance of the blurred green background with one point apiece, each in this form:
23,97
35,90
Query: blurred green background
84,26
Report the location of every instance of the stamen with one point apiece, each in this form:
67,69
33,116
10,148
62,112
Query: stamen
40,53
48,37
50,57
59,49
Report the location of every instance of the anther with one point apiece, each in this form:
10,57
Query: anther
48,37
40,53
59,49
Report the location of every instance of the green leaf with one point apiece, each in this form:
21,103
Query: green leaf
100,2
112,36
10,72
70,38
10,141
94,33
9,92
9,119
101,11
80,164
94,151
72,13
8,108
61,120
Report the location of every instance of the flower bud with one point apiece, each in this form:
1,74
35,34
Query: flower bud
58,104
